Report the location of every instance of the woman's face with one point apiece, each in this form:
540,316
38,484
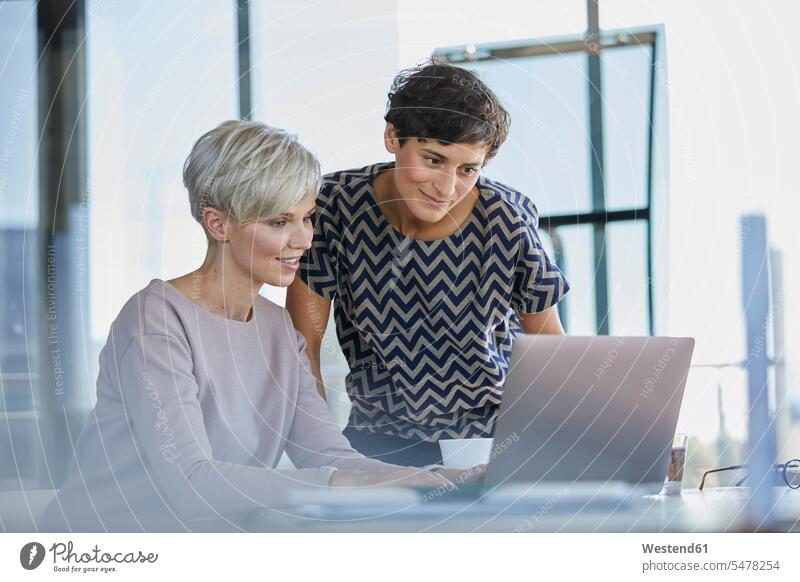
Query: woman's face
432,178
269,250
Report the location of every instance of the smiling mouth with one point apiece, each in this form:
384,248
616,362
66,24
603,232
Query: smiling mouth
432,200
292,264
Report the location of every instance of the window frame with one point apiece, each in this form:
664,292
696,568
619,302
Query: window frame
593,44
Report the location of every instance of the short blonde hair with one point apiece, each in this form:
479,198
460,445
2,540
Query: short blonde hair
249,170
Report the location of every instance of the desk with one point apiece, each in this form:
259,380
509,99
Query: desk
712,510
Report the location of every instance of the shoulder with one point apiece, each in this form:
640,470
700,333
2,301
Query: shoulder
269,310
501,201
274,321
348,185
354,178
152,310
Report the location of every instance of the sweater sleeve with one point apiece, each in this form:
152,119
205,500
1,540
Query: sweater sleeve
315,439
160,400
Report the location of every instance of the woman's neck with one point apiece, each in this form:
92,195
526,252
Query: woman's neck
220,286
393,207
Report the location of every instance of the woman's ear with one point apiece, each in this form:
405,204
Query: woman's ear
390,139
216,224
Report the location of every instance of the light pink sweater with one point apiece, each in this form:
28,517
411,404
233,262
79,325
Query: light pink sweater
193,413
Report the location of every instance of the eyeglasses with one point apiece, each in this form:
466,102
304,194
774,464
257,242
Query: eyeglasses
789,471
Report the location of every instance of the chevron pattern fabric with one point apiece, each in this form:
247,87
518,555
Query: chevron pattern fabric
427,326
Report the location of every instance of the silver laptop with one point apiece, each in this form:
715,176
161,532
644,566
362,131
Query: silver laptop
590,419
594,409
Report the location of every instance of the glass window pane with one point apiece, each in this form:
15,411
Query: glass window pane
576,260
313,76
714,415
20,316
626,256
546,154
159,75
626,111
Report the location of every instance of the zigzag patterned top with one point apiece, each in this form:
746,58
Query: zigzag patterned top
427,326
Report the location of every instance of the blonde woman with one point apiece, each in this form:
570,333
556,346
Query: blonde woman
203,383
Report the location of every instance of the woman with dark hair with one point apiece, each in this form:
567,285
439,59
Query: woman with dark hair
433,269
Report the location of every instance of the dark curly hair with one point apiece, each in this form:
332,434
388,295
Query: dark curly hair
439,101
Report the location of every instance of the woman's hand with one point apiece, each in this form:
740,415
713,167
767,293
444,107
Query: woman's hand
470,476
401,477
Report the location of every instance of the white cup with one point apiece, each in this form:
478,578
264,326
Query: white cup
465,453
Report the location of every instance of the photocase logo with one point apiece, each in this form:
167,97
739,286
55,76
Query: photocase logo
31,555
